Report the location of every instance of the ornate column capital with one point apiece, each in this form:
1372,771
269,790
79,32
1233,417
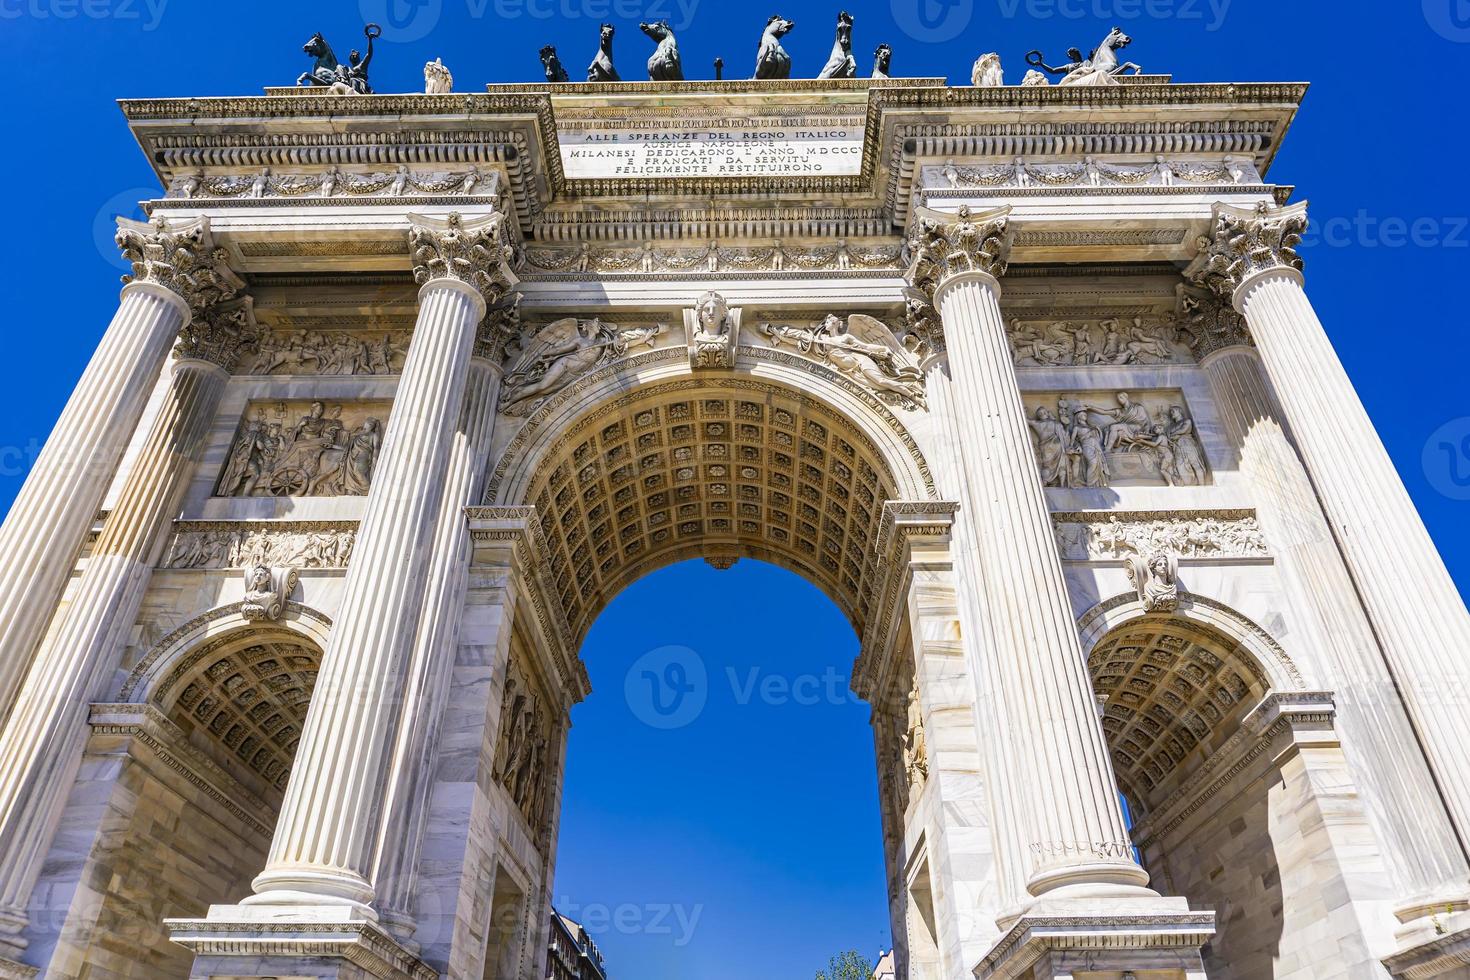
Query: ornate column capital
1208,323
181,258
474,252
1244,244
501,325
943,247
219,334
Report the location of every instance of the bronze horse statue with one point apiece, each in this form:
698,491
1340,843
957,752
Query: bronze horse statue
328,72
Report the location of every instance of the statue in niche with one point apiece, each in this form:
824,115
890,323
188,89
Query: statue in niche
551,64
266,592
601,69
915,749
882,61
520,755
664,64
349,79
559,354
1156,577
772,61
1101,68
864,349
841,63
712,328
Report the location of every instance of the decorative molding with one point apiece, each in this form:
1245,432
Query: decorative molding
713,258
1191,535
364,945
1093,173
333,182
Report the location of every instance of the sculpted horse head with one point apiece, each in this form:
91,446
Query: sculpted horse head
773,61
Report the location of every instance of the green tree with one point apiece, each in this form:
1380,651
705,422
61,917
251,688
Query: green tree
850,965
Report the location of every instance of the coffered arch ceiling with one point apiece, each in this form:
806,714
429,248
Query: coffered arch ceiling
243,698
717,470
1173,692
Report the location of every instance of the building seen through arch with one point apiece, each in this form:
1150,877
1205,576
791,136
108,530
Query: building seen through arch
403,390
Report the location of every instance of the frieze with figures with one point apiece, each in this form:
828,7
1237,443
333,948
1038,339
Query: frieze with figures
524,751
402,182
1091,341
329,352
1186,534
711,257
295,545
1161,172
1106,439
304,449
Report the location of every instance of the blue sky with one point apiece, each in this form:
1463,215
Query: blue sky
758,822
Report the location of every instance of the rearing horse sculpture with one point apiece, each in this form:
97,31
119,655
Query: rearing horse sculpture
328,72
1101,68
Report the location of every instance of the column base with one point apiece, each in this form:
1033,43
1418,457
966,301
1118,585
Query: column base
323,942
1438,947
11,970
1100,946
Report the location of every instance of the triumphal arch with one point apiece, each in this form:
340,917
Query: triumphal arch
1167,679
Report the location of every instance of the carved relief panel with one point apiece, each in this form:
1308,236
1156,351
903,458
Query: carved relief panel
277,545
1087,341
524,753
329,352
1115,438
304,449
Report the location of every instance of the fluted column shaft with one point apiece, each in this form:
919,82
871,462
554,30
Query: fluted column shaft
1408,815
324,847
432,660
1078,840
1417,613
40,744
56,507
991,720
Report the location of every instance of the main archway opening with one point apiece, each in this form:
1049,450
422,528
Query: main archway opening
721,821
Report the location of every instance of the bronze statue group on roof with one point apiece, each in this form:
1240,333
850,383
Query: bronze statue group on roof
772,62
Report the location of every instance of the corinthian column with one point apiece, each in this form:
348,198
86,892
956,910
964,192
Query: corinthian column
1399,793
41,743
1070,820
176,270
1417,614
431,664
326,840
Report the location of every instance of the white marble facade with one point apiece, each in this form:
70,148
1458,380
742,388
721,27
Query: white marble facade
1046,412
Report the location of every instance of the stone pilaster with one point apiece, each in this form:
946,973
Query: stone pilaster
176,271
1416,612
325,848
431,665
1399,793
41,742
1077,841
